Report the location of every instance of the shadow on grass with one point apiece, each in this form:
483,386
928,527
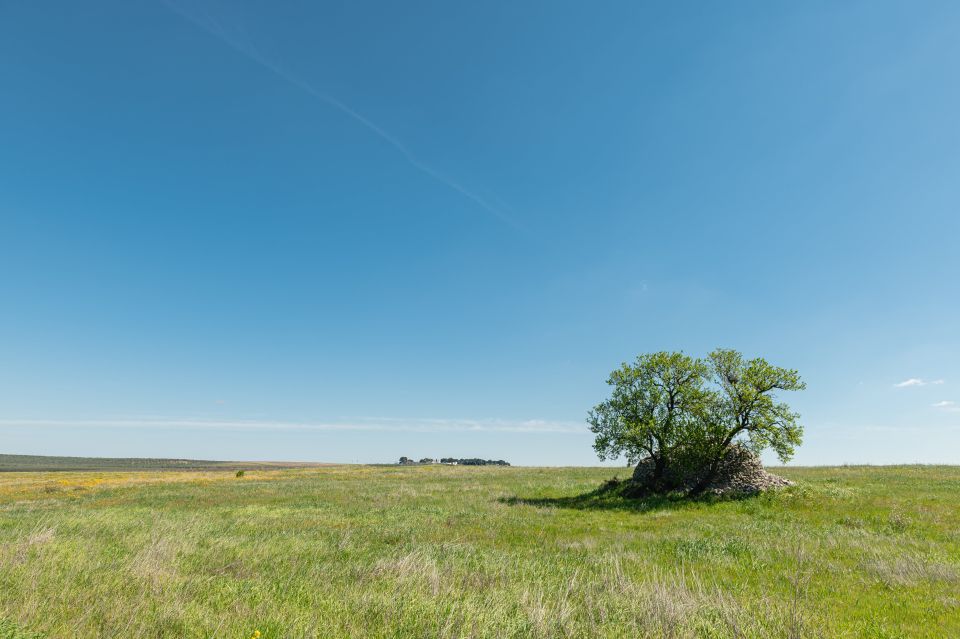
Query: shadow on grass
615,495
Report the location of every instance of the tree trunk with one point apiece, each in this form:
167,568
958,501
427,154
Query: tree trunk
656,482
710,475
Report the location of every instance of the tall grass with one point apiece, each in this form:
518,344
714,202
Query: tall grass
475,552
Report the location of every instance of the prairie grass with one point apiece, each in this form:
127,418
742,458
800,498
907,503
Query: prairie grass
431,551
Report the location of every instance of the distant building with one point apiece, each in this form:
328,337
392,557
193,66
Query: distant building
452,461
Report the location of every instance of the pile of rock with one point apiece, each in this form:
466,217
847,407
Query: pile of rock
740,472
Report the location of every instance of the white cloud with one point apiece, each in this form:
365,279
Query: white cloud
947,405
913,381
916,381
382,424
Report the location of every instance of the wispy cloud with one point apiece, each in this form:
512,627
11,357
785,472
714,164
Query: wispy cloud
381,424
238,40
947,405
916,381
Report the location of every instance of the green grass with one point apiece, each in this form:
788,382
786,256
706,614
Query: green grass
485,552
34,463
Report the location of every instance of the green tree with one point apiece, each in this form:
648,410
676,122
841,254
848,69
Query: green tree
743,409
685,414
656,406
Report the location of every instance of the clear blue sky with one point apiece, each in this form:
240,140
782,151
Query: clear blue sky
349,231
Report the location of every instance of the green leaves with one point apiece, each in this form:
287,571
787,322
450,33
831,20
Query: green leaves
679,410
651,405
747,406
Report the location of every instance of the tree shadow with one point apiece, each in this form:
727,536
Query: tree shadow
615,495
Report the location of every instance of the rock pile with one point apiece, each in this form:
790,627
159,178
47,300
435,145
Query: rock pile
740,472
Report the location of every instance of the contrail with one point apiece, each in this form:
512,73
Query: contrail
248,49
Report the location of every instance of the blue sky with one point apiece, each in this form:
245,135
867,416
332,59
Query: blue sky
353,231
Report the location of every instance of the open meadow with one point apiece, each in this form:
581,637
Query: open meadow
440,551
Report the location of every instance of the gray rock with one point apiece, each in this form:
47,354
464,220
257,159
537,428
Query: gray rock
740,472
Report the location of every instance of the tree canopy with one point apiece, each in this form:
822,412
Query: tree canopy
683,412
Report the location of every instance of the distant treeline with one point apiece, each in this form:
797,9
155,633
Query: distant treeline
453,460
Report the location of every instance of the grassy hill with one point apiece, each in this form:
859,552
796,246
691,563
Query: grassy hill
440,551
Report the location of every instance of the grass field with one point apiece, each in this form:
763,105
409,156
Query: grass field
32,463
434,551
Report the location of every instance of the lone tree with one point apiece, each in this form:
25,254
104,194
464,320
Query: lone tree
685,415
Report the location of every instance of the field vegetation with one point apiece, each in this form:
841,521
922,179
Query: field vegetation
14,463
453,551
